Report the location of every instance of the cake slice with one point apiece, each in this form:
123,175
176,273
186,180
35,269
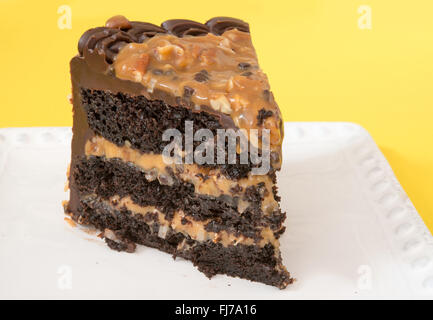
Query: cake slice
154,160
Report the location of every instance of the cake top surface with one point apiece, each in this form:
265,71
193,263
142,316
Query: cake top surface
202,65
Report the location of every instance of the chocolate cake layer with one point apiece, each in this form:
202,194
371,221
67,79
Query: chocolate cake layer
95,175
120,117
122,228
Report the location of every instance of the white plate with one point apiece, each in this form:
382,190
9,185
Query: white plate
351,230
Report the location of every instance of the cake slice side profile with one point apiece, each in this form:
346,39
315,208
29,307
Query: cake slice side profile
154,107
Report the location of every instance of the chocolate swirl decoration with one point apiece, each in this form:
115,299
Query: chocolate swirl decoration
99,46
219,25
144,30
181,28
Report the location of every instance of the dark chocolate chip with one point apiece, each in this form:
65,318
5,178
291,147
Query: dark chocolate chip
157,72
236,189
263,115
267,95
203,177
185,221
247,74
188,92
244,65
201,76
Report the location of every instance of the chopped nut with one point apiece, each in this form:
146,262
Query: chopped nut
217,238
225,45
221,104
178,50
195,51
151,175
229,84
165,180
200,235
142,63
162,232
208,57
239,102
119,22
164,52
151,85
109,234
137,76
243,205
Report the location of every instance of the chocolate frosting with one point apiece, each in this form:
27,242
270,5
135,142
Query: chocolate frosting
141,31
100,45
181,28
219,25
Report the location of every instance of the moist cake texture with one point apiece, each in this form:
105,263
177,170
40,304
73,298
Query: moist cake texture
132,81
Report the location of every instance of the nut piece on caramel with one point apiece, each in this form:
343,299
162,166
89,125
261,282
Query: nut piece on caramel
221,104
118,22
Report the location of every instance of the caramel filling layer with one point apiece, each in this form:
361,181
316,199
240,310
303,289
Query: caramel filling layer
194,229
206,181
221,72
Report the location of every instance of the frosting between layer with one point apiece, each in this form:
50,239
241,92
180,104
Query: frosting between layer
195,229
206,181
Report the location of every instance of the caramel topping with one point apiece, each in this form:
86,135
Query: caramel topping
221,72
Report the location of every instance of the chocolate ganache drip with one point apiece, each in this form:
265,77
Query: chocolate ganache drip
99,46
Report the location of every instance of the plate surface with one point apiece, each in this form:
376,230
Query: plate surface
351,230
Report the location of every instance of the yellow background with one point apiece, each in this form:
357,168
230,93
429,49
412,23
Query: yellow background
321,65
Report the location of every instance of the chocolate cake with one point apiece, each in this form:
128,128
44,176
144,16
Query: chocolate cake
150,103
